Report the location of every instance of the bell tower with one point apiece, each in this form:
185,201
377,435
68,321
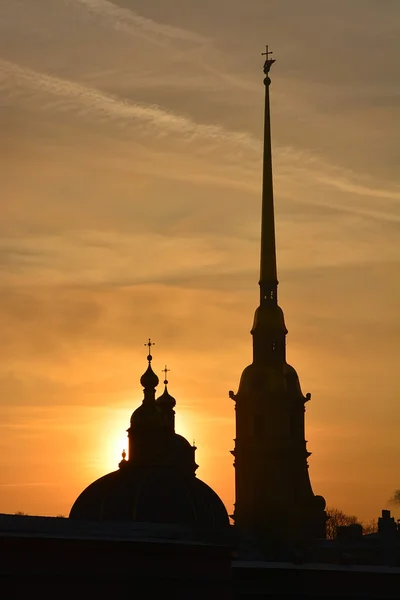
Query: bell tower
275,504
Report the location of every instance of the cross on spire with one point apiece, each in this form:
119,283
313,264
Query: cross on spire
149,344
268,61
267,52
165,371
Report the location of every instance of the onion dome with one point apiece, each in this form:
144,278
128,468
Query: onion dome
149,379
166,400
147,416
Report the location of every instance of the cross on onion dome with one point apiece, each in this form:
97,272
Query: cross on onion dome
165,371
149,344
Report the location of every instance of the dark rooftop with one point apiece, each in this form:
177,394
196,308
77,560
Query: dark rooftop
63,528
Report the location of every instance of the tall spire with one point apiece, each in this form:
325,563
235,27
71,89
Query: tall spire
275,503
269,328
268,271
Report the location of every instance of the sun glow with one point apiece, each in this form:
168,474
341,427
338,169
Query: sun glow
115,437
183,426
115,440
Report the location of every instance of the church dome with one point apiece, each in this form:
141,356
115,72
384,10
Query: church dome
292,380
183,453
146,416
149,379
268,319
181,443
157,495
157,483
166,400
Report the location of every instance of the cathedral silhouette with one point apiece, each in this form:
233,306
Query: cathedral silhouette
158,483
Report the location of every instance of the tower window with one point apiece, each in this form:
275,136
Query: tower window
270,295
273,346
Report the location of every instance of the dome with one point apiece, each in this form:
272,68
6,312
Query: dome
149,379
166,400
146,416
292,380
262,378
181,443
183,453
270,379
158,495
269,318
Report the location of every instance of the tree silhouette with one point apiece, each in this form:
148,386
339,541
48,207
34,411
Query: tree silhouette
337,518
370,527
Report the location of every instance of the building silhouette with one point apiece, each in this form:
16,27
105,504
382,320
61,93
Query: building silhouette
275,506
152,528
158,483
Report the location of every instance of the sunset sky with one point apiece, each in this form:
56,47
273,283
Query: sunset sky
130,177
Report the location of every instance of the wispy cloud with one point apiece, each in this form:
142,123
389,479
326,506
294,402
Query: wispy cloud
26,485
240,150
70,97
129,21
345,185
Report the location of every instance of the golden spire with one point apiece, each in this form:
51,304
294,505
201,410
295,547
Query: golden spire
268,271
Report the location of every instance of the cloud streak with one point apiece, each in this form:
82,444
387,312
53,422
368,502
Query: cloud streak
19,82
56,95
127,20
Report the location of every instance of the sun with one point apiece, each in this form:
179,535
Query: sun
115,436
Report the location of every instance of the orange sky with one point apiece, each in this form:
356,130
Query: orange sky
130,207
